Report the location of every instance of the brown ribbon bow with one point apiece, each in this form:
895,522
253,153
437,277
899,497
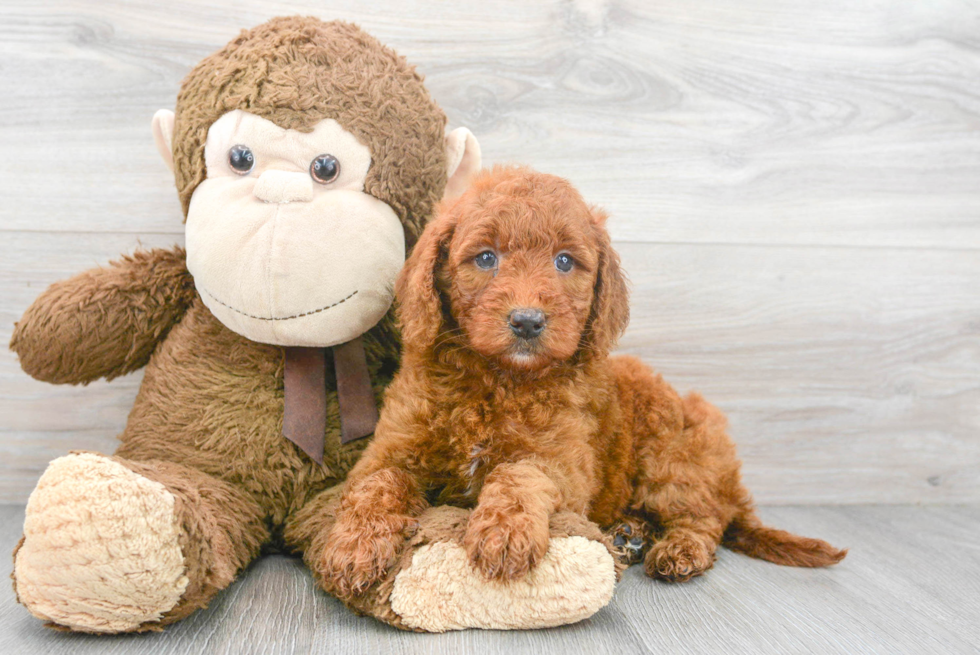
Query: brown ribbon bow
304,420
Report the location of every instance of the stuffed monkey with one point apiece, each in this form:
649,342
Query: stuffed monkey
307,157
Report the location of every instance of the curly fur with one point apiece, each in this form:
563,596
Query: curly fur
478,417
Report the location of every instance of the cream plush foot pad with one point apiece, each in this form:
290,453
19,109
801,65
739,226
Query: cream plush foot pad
441,591
100,550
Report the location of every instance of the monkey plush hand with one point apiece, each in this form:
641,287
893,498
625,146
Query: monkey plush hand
307,157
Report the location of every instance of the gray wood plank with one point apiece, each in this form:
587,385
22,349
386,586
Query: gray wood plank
911,584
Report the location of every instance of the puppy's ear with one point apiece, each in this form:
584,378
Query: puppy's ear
419,305
610,305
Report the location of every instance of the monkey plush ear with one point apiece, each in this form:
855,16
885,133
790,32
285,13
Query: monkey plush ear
163,135
463,154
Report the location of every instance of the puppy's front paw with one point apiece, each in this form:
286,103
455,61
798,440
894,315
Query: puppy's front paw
505,546
353,559
680,556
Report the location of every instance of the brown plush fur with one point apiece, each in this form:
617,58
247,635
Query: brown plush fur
207,422
520,429
298,71
74,334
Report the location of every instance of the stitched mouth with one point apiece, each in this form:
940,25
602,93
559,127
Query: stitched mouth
279,318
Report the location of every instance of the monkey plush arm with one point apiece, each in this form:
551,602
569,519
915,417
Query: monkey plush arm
104,322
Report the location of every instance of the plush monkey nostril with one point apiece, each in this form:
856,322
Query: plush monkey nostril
527,323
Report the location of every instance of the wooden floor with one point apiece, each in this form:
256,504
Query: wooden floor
911,584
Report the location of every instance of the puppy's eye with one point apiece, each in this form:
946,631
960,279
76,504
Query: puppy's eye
241,159
325,169
564,262
486,260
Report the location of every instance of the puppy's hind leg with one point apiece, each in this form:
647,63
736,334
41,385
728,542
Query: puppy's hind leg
689,483
733,509
685,462
686,527
700,495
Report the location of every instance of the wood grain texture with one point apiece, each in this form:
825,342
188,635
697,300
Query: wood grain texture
793,187
911,584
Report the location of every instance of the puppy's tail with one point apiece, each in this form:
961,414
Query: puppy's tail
747,535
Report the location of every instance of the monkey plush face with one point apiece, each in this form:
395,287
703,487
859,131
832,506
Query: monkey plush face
283,242
307,157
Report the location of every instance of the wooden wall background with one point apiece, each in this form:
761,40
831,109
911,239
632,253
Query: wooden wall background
795,190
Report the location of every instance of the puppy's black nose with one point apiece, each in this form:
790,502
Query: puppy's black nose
527,323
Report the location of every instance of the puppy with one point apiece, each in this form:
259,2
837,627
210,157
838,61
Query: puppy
507,401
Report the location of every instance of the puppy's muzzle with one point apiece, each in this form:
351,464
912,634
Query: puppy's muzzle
527,323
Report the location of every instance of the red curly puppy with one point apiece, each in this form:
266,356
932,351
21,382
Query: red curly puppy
507,400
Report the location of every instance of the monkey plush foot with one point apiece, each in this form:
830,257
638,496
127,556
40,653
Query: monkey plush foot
100,551
434,586
116,545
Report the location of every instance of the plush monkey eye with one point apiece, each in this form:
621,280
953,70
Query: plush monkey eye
564,262
241,159
486,260
325,169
